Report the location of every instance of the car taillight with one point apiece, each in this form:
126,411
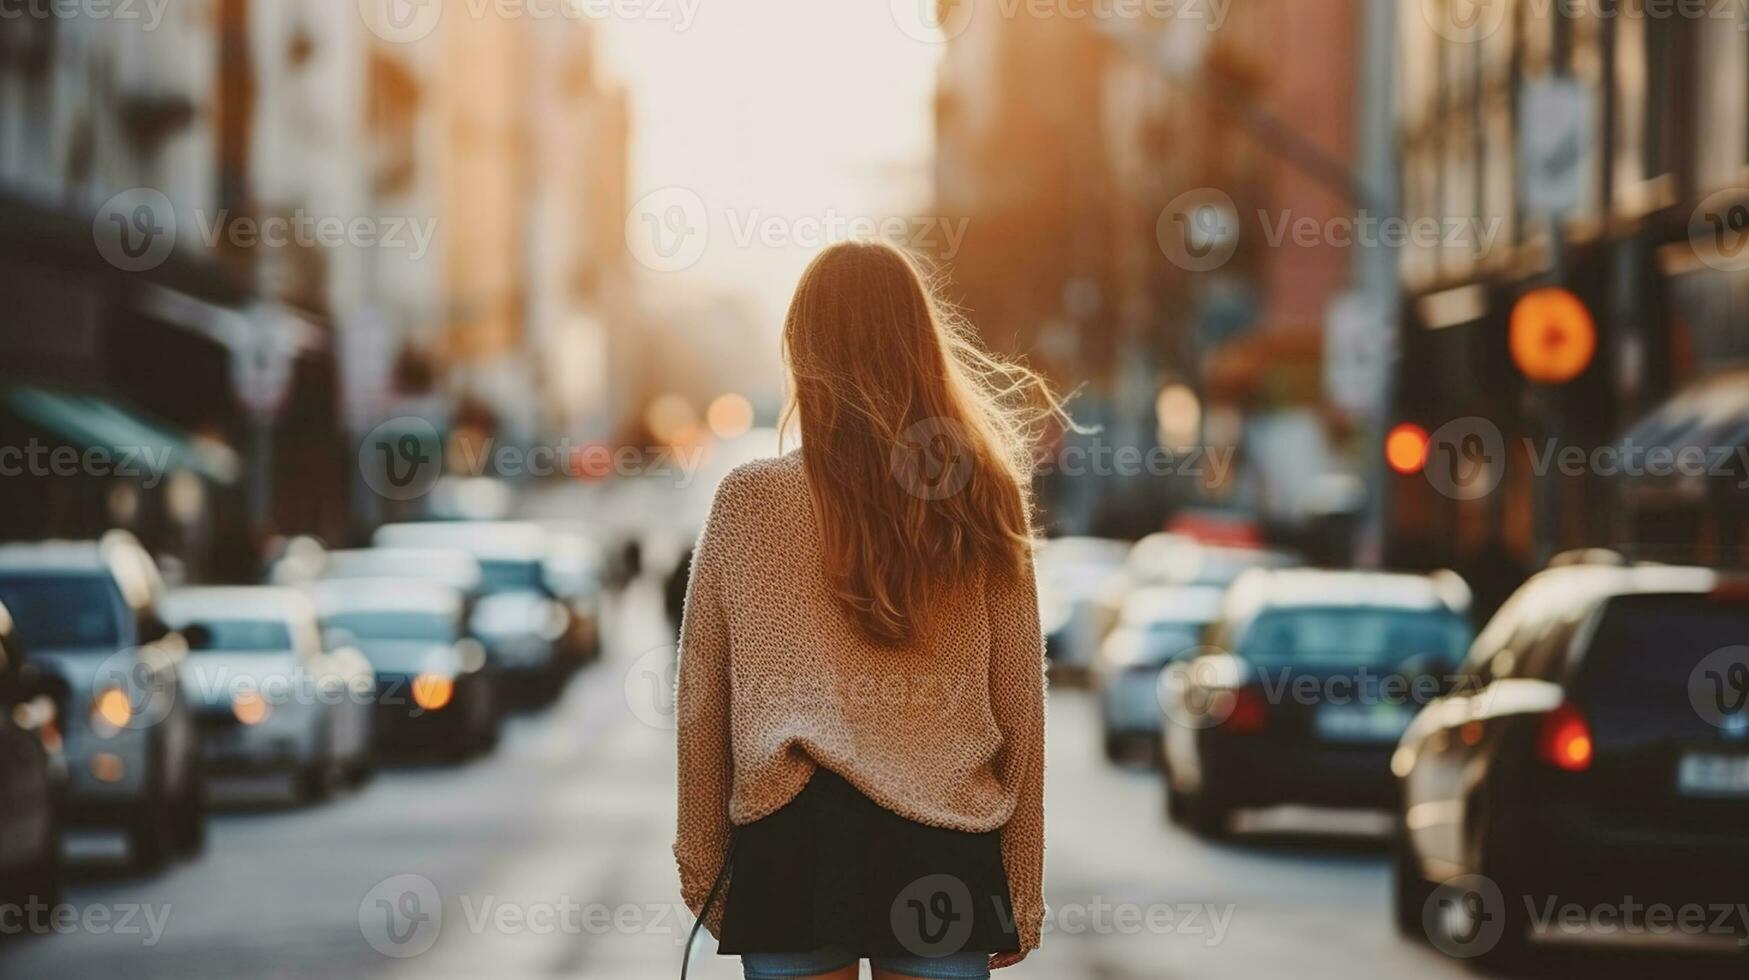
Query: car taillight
1250,712
1565,739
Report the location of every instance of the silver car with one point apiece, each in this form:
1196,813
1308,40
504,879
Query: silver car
87,612
269,695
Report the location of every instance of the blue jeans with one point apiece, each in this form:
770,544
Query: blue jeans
786,966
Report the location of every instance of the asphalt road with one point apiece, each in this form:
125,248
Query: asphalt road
549,858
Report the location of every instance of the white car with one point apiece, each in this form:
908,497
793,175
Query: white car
269,695
87,612
1156,626
1072,575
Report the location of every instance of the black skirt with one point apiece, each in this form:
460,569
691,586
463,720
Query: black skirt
835,869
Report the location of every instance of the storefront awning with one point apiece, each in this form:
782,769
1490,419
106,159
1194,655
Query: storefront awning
1704,427
91,422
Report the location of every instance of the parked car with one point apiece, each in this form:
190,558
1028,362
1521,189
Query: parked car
1307,681
269,696
32,778
1597,749
1157,626
530,635
1072,572
436,693
87,612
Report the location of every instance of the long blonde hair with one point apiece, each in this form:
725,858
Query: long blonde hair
918,445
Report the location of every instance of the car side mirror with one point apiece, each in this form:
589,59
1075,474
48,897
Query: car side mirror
34,682
198,636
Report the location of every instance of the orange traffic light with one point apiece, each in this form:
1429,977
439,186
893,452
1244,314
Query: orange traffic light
1553,336
1406,448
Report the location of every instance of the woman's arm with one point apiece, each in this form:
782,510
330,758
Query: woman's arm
701,704
1017,697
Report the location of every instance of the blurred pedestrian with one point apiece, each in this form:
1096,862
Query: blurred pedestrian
861,679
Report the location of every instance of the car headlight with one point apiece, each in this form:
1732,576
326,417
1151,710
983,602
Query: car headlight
111,711
433,691
250,707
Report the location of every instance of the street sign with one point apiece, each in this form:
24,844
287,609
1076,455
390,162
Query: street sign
261,363
1553,337
1358,346
1554,145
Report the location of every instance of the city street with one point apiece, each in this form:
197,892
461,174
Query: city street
551,859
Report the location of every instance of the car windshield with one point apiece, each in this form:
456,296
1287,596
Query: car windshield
1164,641
1355,637
391,624
58,612
245,635
512,576
1659,652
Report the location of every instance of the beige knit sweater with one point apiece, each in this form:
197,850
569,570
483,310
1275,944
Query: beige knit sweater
775,680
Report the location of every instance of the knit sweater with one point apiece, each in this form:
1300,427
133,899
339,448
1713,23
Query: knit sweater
775,679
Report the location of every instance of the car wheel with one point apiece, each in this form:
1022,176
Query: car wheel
152,834
1207,815
191,815
1116,748
316,781
36,890
1409,891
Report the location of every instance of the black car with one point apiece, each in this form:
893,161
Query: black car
1596,753
32,774
1307,680
437,692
